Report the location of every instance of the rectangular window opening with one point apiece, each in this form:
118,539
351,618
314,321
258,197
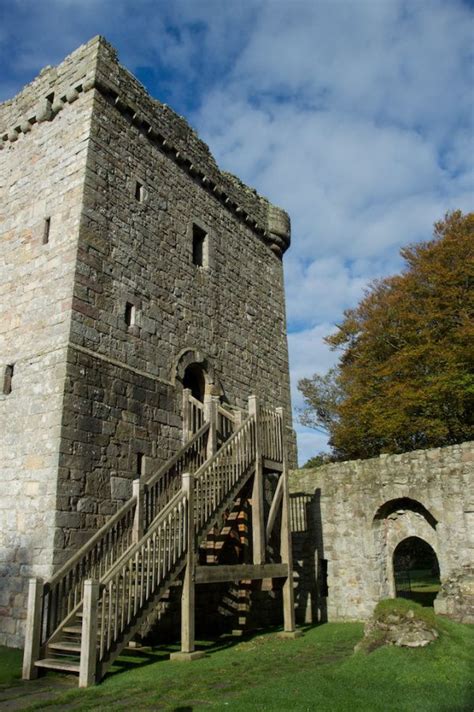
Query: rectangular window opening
140,464
139,192
199,246
7,379
46,229
129,314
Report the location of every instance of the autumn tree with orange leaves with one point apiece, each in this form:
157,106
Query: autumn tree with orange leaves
405,377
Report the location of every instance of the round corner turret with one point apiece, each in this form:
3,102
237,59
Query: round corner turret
279,228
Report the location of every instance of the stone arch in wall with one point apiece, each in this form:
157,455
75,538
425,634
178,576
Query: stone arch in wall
394,521
414,560
195,370
194,359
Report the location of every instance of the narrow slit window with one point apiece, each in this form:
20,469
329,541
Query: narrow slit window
7,379
199,246
129,314
46,230
139,191
140,464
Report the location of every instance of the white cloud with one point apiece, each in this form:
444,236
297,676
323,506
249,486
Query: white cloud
354,116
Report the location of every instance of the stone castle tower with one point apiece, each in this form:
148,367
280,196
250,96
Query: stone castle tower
131,267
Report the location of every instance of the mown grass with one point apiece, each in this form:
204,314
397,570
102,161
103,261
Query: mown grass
316,672
10,665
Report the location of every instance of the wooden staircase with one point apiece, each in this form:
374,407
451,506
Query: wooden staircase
80,620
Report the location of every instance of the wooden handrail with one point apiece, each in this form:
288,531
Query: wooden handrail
136,547
182,451
227,444
89,545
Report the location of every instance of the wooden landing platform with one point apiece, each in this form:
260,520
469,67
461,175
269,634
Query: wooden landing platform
241,572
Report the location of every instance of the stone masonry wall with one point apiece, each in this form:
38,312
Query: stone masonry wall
349,517
122,395
42,169
88,391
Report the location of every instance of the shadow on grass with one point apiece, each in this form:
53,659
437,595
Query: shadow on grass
133,659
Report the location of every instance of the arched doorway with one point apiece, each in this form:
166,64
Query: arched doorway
416,571
194,378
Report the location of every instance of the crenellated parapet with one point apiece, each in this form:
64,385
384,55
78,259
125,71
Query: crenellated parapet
94,66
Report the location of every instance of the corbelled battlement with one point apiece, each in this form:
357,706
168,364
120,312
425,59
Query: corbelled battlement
95,66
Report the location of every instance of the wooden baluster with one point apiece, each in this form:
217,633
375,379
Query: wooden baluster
138,491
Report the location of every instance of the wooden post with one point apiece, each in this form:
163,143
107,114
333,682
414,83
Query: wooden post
138,491
258,525
186,416
210,415
33,628
238,419
188,593
286,545
87,670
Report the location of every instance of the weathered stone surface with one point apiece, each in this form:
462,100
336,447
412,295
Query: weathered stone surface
348,518
456,597
404,630
88,391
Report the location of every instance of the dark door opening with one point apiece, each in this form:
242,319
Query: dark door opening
416,571
194,379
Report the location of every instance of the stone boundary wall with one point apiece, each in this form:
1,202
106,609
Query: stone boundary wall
348,517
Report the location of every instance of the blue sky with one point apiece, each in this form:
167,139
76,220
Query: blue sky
357,117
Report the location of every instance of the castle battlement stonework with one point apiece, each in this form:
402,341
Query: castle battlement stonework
130,267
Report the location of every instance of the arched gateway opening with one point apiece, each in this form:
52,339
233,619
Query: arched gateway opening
416,571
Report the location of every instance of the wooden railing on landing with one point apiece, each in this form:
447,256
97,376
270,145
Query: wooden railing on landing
193,414
271,434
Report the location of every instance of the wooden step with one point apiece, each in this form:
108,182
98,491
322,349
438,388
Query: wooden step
56,664
77,629
65,645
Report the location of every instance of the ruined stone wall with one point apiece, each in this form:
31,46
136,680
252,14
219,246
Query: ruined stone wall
42,170
140,252
350,516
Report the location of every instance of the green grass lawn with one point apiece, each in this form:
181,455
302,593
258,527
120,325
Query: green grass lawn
316,672
423,587
10,665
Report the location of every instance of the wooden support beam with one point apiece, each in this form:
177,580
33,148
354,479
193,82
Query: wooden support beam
274,507
286,544
33,628
240,572
88,663
258,525
188,590
272,465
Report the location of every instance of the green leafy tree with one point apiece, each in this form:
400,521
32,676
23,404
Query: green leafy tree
405,377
